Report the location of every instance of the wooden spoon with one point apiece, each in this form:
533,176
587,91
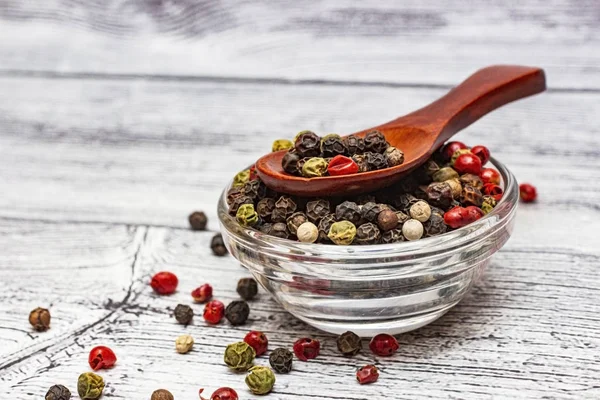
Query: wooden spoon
417,134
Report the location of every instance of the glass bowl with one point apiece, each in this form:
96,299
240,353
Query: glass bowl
383,288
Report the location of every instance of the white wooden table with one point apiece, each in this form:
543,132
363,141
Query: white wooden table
111,114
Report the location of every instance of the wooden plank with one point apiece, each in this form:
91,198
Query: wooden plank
528,331
409,42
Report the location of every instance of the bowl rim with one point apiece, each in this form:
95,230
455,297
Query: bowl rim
446,242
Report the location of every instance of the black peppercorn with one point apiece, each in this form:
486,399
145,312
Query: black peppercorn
255,189
332,145
471,180
405,201
233,193
40,319
237,312
435,225
265,208
393,236
280,230
217,245
183,314
58,392
284,207
439,194
471,196
376,161
266,228
295,220
198,221
308,144
281,360
375,142
238,202
317,209
247,288
365,198
354,145
370,211
367,233
290,162
349,344
348,211
361,161
324,227
402,217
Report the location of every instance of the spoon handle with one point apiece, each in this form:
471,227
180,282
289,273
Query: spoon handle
481,93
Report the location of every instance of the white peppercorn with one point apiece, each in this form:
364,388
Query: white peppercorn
420,211
184,343
308,232
412,229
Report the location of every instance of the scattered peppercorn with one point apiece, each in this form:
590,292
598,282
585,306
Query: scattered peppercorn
439,194
307,348
239,356
376,161
348,211
258,341
383,345
183,314
184,344
260,380
281,360
455,186
375,142
324,227
213,312
527,192
280,230
435,225
58,392
247,288
349,343
161,394
361,161
461,216
224,393
354,145
39,318
237,312
198,221
290,162
282,144
203,293
367,374
471,196
90,386
246,215
457,154
101,357
217,245
164,282
392,236
420,211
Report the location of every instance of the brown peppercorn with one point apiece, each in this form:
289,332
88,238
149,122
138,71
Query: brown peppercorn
255,190
280,230
265,208
238,202
237,312
162,394
361,161
295,220
324,227
471,196
348,211
392,236
217,245
233,193
439,194
332,145
289,163
349,344
471,180
375,142
198,221
247,288
394,156
183,314
58,392
376,161
317,209
40,319
308,144
367,233
354,145
387,220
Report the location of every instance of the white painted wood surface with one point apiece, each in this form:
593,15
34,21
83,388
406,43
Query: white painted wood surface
99,173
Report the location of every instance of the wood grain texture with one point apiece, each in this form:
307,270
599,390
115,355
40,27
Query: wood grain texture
411,42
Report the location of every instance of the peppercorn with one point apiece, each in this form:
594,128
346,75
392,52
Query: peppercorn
365,198
471,180
435,225
342,233
280,230
90,386
332,145
233,193
213,312
387,220
184,343
161,394
314,167
392,236
482,153
217,245
295,220
412,229
264,208
301,163
376,161
450,148
445,174
370,211
284,207
308,144
266,228
281,360
101,357
202,293
405,201
317,209
290,161
241,178
527,192
367,374
490,175
420,211
255,190
375,142
468,164
308,232
164,282
239,356
457,154
455,186
458,217
258,341
488,204
281,144
394,156
260,380
238,202
489,189
246,215
471,196
198,221
306,348
361,161
402,217
324,227
342,165
439,194
349,344
183,314
58,392
237,312
40,319
224,393
383,345
247,288
348,211
354,145
367,233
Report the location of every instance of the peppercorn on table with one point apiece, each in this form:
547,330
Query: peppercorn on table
118,121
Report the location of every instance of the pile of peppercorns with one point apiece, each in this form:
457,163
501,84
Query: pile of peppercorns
312,156
450,190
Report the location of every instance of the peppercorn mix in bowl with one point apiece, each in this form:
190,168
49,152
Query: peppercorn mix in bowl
389,261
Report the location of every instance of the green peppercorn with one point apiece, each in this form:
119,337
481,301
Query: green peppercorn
488,204
161,394
260,380
281,360
308,144
332,145
324,227
183,314
457,154
394,156
58,392
348,211
444,174
90,386
289,163
282,144
317,209
241,178
367,233
246,215
375,142
349,344
239,356
198,221
342,233
354,145
237,312
314,167
247,288
295,220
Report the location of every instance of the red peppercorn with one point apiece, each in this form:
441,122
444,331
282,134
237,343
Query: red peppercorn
383,345
101,357
495,191
474,213
468,164
214,311
482,152
527,192
202,294
164,282
341,165
258,341
450,148
224,393
490,175
367,374
461,216
307,348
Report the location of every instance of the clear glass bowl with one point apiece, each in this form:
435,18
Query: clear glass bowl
384,288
